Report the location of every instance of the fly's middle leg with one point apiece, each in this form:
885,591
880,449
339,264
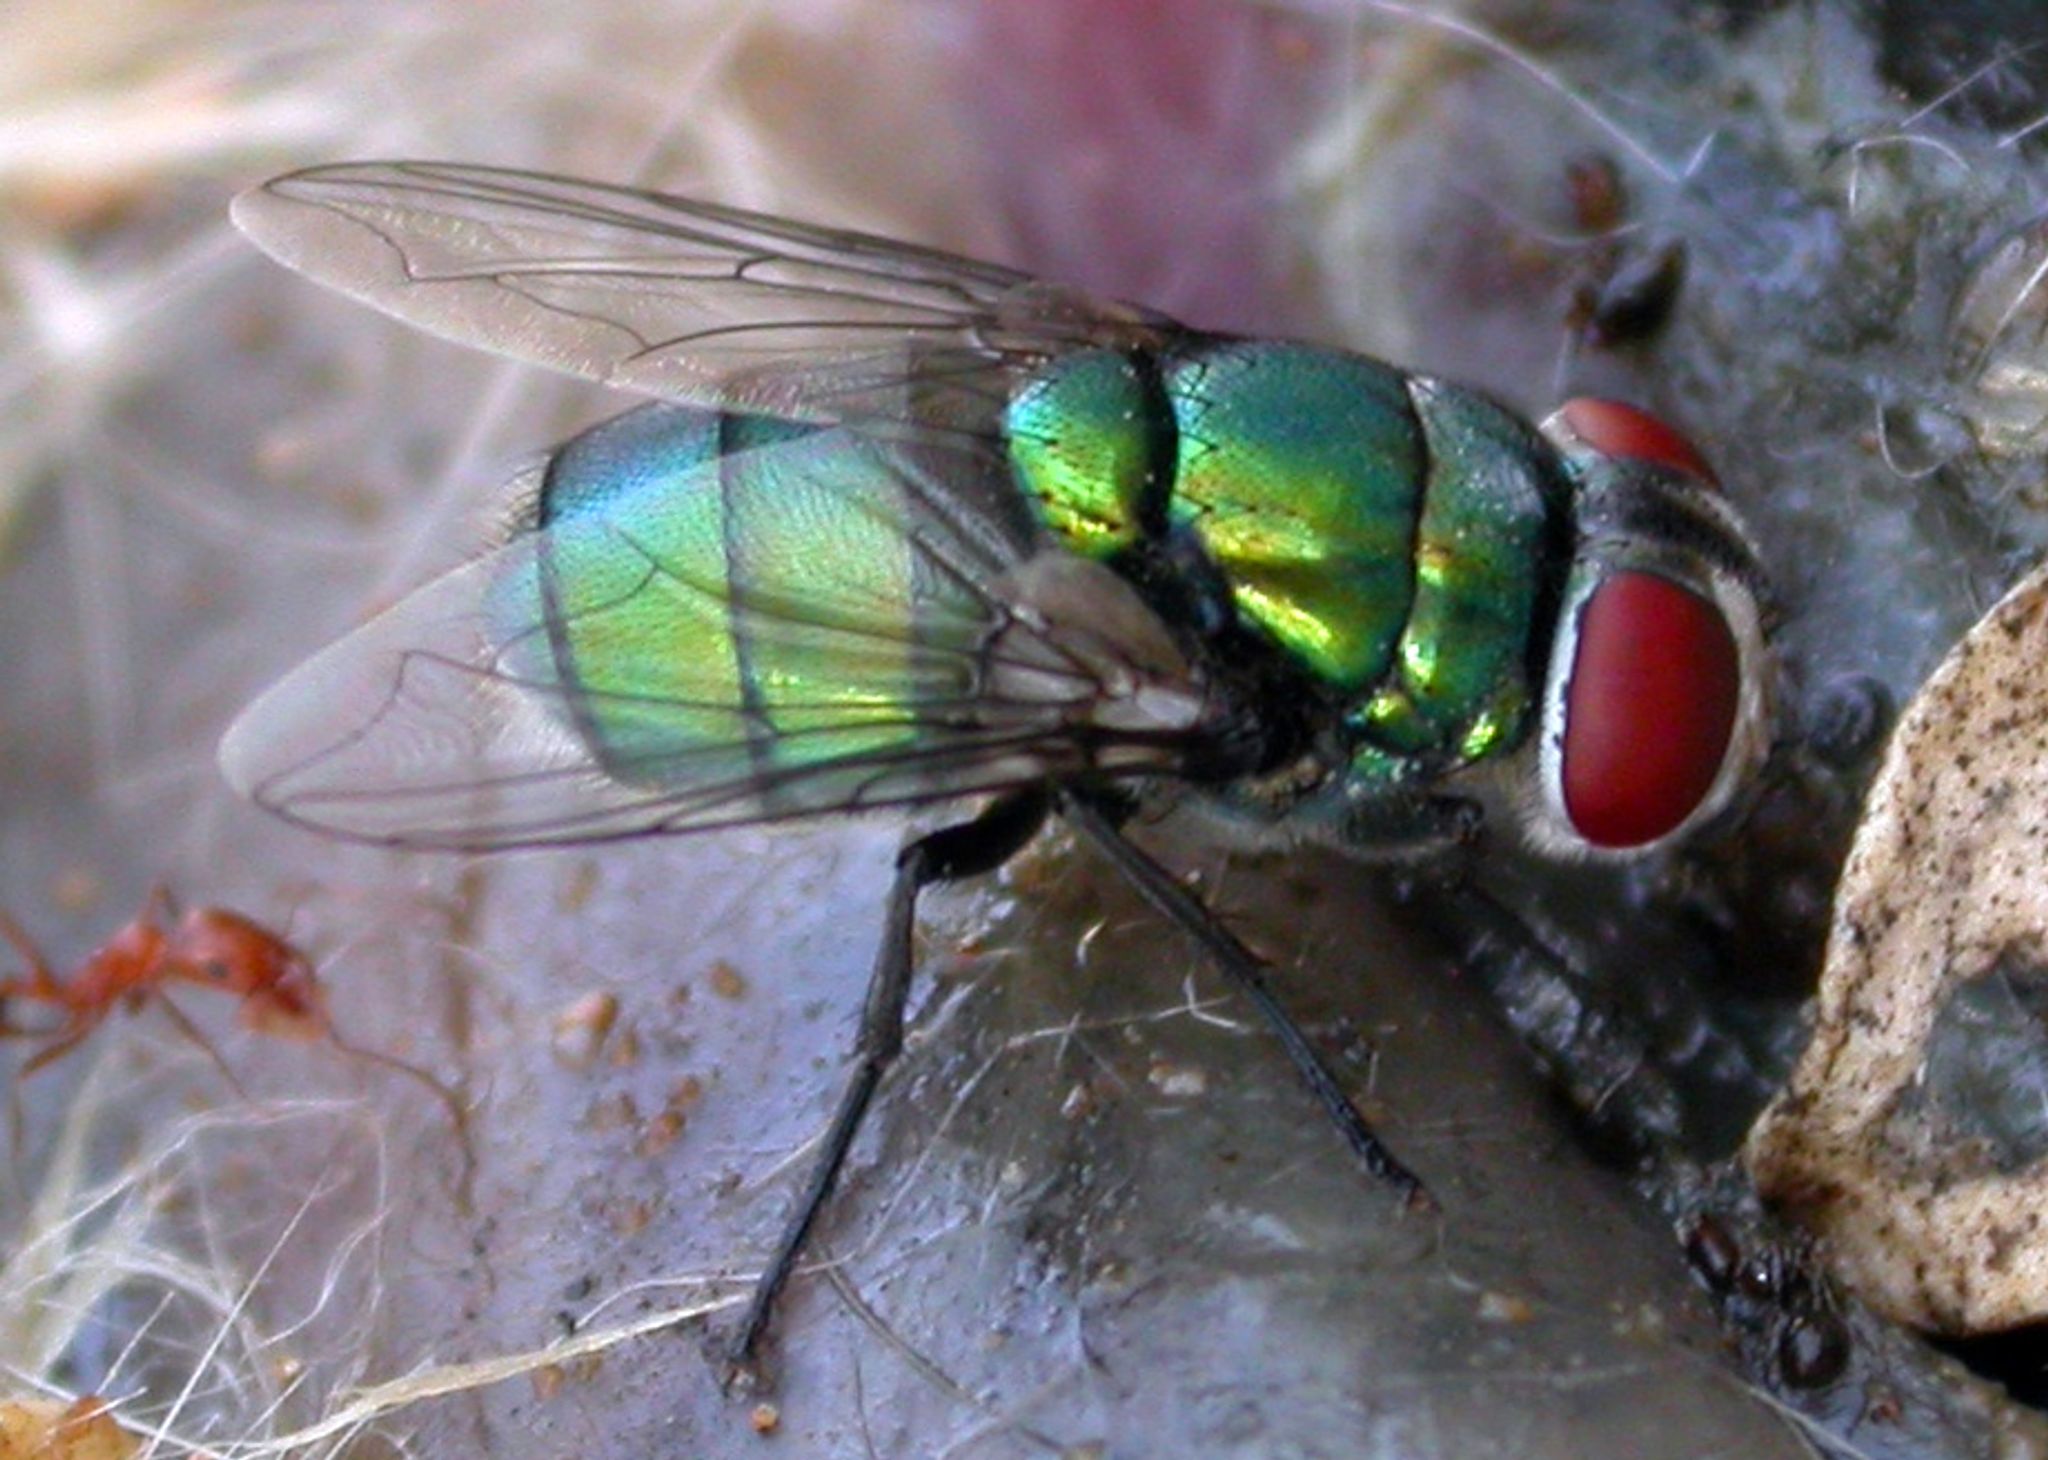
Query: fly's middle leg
1177,905
966,850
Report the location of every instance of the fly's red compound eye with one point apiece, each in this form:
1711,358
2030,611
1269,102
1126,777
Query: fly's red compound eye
1649,708
1655,686
1620,431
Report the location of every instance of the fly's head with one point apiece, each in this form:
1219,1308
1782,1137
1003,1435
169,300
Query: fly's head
1655,710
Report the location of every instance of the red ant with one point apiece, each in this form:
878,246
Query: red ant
210,947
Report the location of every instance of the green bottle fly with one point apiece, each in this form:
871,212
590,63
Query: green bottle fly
900,528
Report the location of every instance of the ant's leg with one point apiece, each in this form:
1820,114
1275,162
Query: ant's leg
458,1113
198,1036
966,850
1178,906
158,909
69,1037
40,983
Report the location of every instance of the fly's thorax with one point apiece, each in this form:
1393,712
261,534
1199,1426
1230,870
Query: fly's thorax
1387,543
1655,706
1490,542
1299,472
1393,536
1090,442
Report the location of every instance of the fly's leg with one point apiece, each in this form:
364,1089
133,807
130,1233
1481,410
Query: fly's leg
1178,906
966,850
1424,833
1585,1045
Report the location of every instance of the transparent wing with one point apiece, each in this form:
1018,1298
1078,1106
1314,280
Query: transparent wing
672,298
693,638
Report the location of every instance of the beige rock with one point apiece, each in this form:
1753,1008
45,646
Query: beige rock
1947,881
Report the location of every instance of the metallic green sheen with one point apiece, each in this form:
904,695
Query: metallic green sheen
810,547
594,616
696,604
1460,676
1301,470
1080,445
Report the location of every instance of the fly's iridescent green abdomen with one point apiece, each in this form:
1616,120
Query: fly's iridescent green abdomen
1392,537
709,597
659,530
728,597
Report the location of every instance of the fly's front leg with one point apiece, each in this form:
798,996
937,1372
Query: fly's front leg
1177,905
966,850
1421,833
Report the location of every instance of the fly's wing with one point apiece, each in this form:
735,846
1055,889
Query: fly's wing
717,620
676,299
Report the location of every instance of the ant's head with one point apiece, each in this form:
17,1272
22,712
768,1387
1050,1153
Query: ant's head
220,949
287,1010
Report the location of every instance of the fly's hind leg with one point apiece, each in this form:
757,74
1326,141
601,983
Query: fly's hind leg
1177,905
966,850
